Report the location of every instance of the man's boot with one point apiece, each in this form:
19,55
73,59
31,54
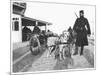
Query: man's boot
81,53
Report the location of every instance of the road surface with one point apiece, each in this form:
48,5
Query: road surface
43,62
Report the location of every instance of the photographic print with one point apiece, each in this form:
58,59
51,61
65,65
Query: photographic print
50,36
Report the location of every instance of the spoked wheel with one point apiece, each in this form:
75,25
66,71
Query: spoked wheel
34,45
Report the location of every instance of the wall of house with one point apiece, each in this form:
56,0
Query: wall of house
16,34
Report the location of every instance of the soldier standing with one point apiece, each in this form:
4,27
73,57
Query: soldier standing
82,28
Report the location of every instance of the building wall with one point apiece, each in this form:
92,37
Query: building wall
16,35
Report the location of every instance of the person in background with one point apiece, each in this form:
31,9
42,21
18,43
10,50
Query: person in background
36,30
82,28
26,32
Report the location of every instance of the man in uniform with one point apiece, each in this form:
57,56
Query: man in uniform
36,30
82,28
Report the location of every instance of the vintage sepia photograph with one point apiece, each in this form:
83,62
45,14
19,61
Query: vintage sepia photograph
50,36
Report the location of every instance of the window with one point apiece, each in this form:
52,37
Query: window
15,25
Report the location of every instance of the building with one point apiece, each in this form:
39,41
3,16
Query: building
19,20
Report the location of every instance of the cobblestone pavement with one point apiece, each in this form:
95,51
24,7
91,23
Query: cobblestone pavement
44,63
23,58
47,63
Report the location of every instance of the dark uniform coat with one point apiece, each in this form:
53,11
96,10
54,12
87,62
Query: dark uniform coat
82,28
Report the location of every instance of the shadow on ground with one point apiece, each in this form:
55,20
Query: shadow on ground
63,64
89,56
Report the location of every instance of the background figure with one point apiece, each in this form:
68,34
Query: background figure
82,28
36,30
26,32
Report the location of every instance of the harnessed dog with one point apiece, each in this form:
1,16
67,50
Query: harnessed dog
62,46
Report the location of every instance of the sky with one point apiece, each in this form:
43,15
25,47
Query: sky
60,15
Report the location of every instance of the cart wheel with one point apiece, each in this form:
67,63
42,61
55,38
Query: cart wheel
36,52
34,42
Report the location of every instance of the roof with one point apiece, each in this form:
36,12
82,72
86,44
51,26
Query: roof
22,5
19,8
41,23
